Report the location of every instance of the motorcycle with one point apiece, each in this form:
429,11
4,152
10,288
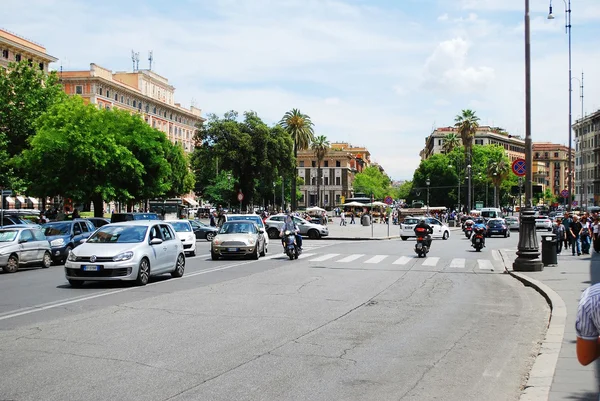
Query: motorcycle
421,247
291,248
478,241
468,231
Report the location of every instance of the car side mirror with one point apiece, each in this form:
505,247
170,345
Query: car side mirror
77,232
156,241
260,230
21,241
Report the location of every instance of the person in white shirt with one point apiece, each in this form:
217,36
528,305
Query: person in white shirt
343,218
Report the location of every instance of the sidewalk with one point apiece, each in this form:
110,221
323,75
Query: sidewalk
357,231
556,373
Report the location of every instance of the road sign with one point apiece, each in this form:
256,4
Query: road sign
564,193
389,200
519,167
7,192
478,205
574,203
240,196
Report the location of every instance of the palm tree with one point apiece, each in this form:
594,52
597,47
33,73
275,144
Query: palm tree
497,172
300,128
451,141
467,124
319,145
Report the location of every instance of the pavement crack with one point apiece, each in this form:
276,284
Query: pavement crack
307,283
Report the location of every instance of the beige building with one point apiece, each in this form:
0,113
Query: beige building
141,91
555,159
342,162
514,146
587,160
14,48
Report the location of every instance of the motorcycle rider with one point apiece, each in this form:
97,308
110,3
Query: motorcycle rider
480,223
427,227
291,226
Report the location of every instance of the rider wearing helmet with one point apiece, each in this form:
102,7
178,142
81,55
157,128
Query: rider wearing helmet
423,225
291,226
480,223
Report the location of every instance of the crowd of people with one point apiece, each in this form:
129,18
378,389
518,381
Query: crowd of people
578,233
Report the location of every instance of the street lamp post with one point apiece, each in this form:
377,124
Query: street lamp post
468,177
528,251
495,193
570,156
427,182
228,189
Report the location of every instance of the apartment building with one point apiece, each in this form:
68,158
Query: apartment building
555,158
587,160
15,48
140,91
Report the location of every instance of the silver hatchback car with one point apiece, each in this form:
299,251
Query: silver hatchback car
23,246
132,250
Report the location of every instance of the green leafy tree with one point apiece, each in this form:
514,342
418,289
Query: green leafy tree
467,123
25,94
403,192
320,146
498,172
451,141
372,181
300,128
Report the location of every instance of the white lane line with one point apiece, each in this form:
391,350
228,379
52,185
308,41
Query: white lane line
376,259
351,258
303,255
496,254
402,260
324,257
431,261
457,263
485,264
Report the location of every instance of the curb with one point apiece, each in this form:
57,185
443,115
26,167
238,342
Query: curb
540,377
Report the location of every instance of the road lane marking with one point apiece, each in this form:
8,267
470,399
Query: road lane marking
457,263
431,261
350,258
402,260
485,264
496,254
376,259
324,257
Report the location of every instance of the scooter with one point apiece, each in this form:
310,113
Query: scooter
468,231
478,241
421,247
291,248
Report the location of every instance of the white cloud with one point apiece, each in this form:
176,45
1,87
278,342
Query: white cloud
332,101
443,17
400,90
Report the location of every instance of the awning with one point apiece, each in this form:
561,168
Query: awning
190,201
10,199
21,199
34,201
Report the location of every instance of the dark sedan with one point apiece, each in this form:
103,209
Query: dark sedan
497,227
202,231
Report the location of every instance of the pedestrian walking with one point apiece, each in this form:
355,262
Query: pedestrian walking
596,234
567,222
342,218
585,235
586,325
559,231
575,230
352,217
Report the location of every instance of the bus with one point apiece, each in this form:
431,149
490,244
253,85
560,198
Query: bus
173,208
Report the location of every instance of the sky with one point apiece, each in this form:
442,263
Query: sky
376,73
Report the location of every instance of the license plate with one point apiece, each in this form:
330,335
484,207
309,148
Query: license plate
419,246
232,249
91,268
477,241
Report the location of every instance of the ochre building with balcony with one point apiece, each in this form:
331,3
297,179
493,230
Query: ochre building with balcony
555,159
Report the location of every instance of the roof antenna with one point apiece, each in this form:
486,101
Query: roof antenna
150,58
135,59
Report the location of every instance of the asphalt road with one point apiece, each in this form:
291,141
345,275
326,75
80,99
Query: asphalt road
348,321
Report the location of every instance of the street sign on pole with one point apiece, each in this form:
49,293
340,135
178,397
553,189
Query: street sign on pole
519,167
240,197
575,203
564,193
389,200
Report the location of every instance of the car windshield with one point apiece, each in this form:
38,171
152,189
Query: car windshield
8,235
119,234
57,229
254,218
489,214
181,226
494,223
237,228
411,221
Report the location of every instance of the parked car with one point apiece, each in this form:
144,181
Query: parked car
497,227
255,218
130,251
407,228
23,246
66,235
543,223
238,238
98,221
512,222
183,230
307,228
11,220
119,217
203,231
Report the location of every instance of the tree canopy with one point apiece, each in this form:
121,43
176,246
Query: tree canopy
372,181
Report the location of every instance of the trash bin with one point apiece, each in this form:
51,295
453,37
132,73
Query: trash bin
365,220
549,249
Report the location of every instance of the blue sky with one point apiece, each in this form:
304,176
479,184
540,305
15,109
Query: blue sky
376,73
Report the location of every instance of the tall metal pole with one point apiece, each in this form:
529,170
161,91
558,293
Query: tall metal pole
570,176
528,250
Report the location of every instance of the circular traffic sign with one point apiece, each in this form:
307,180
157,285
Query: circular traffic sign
389,200
519,167
564,193
575,203
240,196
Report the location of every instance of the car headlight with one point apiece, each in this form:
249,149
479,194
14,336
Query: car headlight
217,241
57,242
123,256
72,257
192,238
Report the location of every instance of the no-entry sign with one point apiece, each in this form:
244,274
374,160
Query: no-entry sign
519,167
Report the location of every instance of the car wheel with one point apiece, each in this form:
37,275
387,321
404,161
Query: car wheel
210,236
256,254
314,234
46,260
404,238
12,265
214,255
76,283
143,273
67,251
264,250
179,266
446,235
273,233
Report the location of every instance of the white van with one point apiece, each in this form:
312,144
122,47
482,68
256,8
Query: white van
491,213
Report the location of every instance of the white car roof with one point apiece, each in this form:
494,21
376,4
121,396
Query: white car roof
136,223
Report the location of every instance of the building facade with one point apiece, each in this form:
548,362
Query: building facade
555,159
140,91
14,48
514,146
587,160
338,169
